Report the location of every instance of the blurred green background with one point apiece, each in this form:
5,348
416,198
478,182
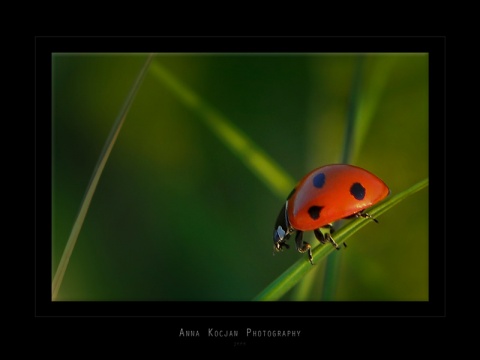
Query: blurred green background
177,215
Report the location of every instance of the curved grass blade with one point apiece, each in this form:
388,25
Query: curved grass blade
297,271
264,167
97,172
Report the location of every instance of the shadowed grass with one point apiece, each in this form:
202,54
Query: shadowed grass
97,172
299,269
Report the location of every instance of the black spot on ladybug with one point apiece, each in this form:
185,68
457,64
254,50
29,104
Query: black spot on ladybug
291,193
314,212
319,180
358,191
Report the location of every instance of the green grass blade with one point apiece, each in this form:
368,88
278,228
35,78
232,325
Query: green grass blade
64,260
363,103
353,118
299,269
332,267
264,167
371,96
351,140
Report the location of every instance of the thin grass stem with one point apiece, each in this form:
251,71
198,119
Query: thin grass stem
97,172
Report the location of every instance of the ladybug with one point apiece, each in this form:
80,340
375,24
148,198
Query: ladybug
325,195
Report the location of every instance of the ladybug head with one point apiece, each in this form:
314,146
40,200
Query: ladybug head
282,229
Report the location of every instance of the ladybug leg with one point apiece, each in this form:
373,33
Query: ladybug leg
280,247
332,229
330,239
319,236
303,246
325,236
363,215
368,216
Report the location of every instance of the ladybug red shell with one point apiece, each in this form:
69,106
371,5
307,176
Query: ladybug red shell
325,195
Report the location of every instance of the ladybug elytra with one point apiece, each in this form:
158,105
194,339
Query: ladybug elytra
325,195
